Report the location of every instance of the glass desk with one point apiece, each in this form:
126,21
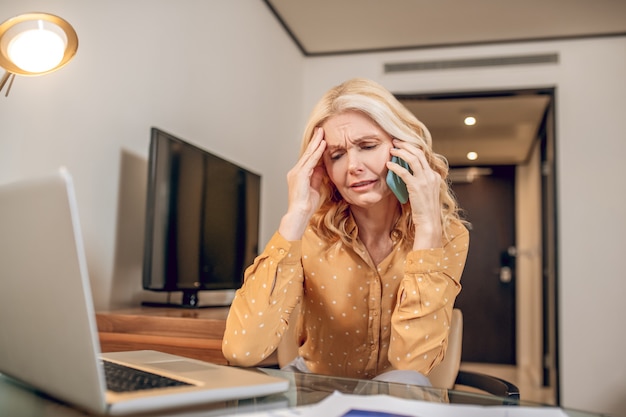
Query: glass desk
17,400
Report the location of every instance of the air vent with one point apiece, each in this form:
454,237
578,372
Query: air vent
472,63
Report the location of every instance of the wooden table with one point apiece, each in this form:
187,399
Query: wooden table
194,333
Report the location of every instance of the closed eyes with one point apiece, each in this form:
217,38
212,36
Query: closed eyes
364,146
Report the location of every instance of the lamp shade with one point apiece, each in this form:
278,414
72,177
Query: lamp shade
36,43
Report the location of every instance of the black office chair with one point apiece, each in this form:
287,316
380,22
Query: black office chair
449,375
507,392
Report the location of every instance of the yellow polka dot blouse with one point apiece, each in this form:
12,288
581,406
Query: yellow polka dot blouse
358,319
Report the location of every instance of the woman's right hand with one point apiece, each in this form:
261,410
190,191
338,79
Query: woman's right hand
304,181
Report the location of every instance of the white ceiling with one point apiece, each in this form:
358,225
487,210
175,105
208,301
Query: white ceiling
340,26
507,125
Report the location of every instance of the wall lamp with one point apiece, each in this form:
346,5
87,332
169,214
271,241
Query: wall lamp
34,44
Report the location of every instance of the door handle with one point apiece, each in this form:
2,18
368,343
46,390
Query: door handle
506,274
507,263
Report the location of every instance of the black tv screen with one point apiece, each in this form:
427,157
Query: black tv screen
202,220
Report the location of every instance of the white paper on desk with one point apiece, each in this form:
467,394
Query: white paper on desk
348,405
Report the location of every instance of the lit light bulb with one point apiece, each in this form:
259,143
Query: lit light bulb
36,50
469,121
472,156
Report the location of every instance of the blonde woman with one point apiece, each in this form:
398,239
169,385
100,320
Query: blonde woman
376,278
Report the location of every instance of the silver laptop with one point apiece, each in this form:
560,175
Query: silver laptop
48,333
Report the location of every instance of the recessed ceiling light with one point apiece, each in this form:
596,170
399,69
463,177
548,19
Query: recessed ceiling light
472,156
469,121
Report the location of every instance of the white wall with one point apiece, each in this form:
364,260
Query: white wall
591,144
220,73
224,74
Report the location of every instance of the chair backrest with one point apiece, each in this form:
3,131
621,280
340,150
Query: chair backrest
442,376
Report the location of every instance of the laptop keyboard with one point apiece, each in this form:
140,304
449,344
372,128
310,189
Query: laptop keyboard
120,378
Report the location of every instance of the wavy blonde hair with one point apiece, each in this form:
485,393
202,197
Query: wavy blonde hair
331,220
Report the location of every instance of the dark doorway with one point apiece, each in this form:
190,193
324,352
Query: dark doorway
488,296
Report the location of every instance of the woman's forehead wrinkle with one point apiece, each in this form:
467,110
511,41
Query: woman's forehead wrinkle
349,141
339,141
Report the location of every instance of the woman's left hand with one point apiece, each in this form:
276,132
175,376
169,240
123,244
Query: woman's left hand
423,186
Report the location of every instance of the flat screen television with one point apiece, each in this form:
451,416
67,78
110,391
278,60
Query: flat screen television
202,222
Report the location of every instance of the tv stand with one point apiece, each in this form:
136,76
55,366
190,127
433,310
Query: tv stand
192,299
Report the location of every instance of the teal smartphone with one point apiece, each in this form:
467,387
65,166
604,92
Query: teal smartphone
395,182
